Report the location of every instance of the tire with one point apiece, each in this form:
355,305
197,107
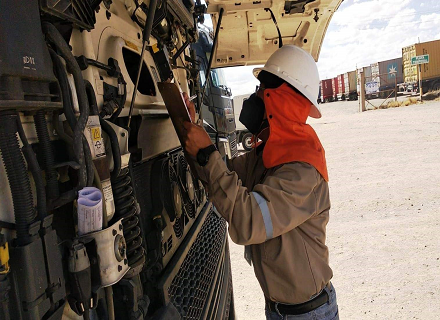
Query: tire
246,141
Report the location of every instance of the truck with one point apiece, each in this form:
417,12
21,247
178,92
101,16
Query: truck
350,82
216,103
101,213
387,75
327,91
430,72
341,87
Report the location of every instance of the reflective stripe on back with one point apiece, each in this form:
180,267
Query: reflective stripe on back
262,203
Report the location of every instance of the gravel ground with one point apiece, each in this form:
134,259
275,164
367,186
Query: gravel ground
384,230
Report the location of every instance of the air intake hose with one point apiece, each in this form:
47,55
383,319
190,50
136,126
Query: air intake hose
17,176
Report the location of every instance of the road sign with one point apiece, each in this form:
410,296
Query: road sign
420,59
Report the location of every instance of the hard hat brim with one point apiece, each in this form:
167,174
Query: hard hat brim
314,110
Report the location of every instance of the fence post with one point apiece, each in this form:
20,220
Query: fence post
395,87
362,92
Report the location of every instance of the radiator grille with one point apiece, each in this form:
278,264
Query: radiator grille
190,287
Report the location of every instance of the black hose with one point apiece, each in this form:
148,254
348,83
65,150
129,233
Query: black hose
92,98
34,168
17,176
54,37
114,145
53,191
61,75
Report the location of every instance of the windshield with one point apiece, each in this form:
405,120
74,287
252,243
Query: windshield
218,78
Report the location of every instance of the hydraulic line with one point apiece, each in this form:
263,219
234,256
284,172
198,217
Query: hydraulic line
17,176
54,37
34,168
48,155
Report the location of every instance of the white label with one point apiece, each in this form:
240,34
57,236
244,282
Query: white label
107,190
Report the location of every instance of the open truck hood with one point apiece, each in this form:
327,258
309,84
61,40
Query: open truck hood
248,35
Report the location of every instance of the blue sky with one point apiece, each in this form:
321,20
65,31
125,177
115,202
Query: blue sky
362,32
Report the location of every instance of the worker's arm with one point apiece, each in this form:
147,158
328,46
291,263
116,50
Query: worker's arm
283,202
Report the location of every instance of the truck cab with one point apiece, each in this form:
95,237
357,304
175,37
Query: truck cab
216,103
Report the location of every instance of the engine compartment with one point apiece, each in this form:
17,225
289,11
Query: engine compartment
101,216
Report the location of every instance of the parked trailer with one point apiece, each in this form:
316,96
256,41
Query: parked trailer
386,74
341,87
430,74
327,90
350,83
335,87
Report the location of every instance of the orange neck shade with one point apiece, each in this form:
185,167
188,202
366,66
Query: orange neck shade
291,139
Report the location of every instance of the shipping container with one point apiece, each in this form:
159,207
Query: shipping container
385,75
341,87
335,87
327,90
367,73
350,84
430,72
410,72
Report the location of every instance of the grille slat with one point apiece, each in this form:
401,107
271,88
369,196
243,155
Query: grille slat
190,287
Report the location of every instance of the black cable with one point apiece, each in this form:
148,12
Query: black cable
280,39
92,98
34,168
114,145
47,152
17,175
54,37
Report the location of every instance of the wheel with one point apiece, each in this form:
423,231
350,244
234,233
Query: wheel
246,141
435,86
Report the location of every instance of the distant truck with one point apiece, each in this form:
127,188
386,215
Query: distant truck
430,74
350,83
327,91
243,135
341,87
387,75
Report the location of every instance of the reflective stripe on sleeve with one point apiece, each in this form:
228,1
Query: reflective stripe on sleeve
262,203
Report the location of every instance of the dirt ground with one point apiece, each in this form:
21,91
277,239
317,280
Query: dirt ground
384,229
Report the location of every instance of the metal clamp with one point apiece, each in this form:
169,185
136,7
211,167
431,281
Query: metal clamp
111,253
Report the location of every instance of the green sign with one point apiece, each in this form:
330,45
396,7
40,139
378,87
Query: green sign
420,59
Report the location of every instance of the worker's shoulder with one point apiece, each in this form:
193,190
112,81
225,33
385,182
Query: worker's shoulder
299,171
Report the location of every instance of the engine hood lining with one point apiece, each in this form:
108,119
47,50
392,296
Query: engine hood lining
248,35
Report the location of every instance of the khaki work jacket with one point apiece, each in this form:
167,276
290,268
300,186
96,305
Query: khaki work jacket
282,214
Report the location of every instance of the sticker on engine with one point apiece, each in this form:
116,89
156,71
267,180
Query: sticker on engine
98,142
107,190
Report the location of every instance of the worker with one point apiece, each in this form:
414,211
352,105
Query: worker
275,198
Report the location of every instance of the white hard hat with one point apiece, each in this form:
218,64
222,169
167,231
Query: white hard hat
298,68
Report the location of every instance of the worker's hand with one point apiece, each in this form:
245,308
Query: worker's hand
190,106
195,138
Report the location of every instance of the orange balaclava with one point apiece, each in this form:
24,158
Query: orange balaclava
290,138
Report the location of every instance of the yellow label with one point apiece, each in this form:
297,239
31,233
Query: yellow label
96,133
4,258
131,45
155,48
